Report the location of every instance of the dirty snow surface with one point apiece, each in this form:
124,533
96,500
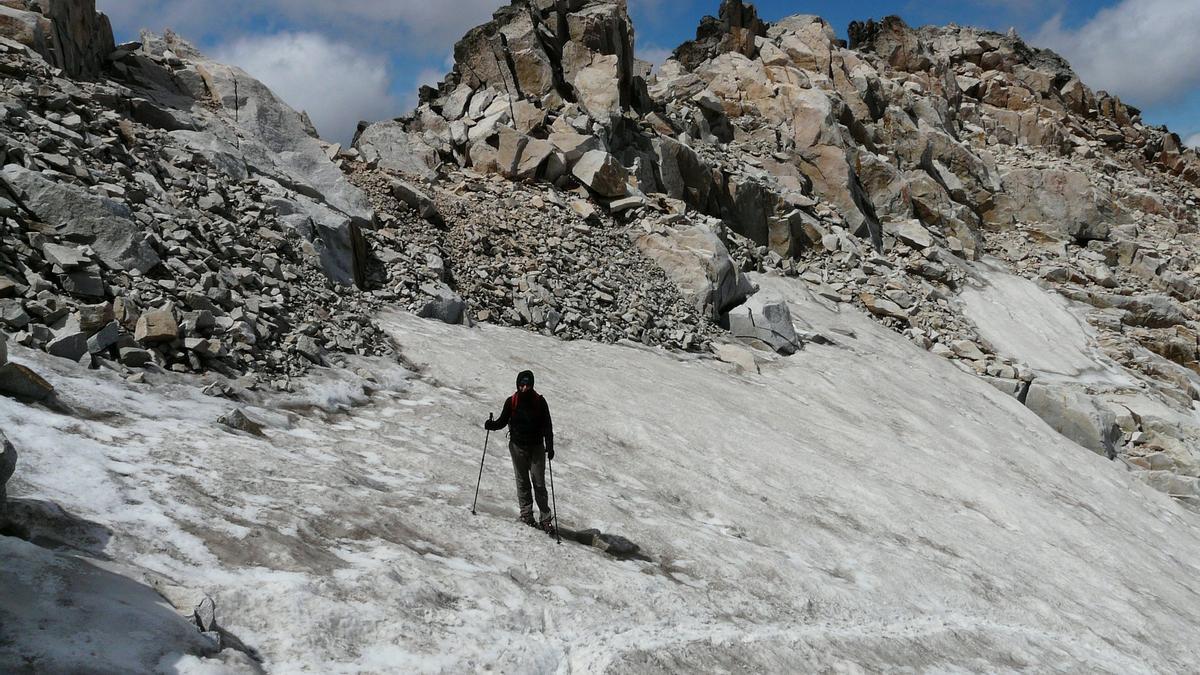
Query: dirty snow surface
1039,327
862,505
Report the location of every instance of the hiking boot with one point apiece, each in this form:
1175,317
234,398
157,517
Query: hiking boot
528,520
547,524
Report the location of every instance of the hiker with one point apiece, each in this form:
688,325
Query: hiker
530,442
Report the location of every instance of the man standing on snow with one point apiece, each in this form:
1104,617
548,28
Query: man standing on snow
530,442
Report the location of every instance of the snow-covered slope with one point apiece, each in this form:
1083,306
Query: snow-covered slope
861,505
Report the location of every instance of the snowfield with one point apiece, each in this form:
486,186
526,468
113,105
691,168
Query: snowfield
858,507
1044,330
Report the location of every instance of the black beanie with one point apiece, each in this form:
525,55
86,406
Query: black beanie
525,377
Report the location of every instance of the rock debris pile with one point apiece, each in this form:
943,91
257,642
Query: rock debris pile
517,255
135,234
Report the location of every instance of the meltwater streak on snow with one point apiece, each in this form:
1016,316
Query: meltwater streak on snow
1029,323
862,504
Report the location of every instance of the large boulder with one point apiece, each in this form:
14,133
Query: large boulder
443,304
8,464
338,241
82,217
694,257
392,147
1074,414
769,322
23,384
601,173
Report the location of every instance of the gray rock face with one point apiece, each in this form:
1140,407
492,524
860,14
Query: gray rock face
80,216
8,465
694,257
251,131
1076,416
283,136
337,239
1065,201
70,34
388,144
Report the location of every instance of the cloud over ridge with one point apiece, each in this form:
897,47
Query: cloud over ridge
1141,50
336,83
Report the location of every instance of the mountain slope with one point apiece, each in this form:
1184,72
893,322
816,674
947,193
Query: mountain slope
865,503
876,355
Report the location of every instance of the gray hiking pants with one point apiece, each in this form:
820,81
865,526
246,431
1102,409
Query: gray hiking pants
530,462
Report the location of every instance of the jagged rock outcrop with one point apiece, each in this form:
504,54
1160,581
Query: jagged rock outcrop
69,34
736,28
532,58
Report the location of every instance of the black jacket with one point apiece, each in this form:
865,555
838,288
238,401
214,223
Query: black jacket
528,420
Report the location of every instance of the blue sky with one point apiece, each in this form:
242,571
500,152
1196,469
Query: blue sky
364,59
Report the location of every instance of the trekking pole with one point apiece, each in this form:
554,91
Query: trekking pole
480,479
553,503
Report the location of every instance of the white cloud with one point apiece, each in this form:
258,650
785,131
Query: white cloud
1193,141
422,24
336,83
1137,49
654,54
